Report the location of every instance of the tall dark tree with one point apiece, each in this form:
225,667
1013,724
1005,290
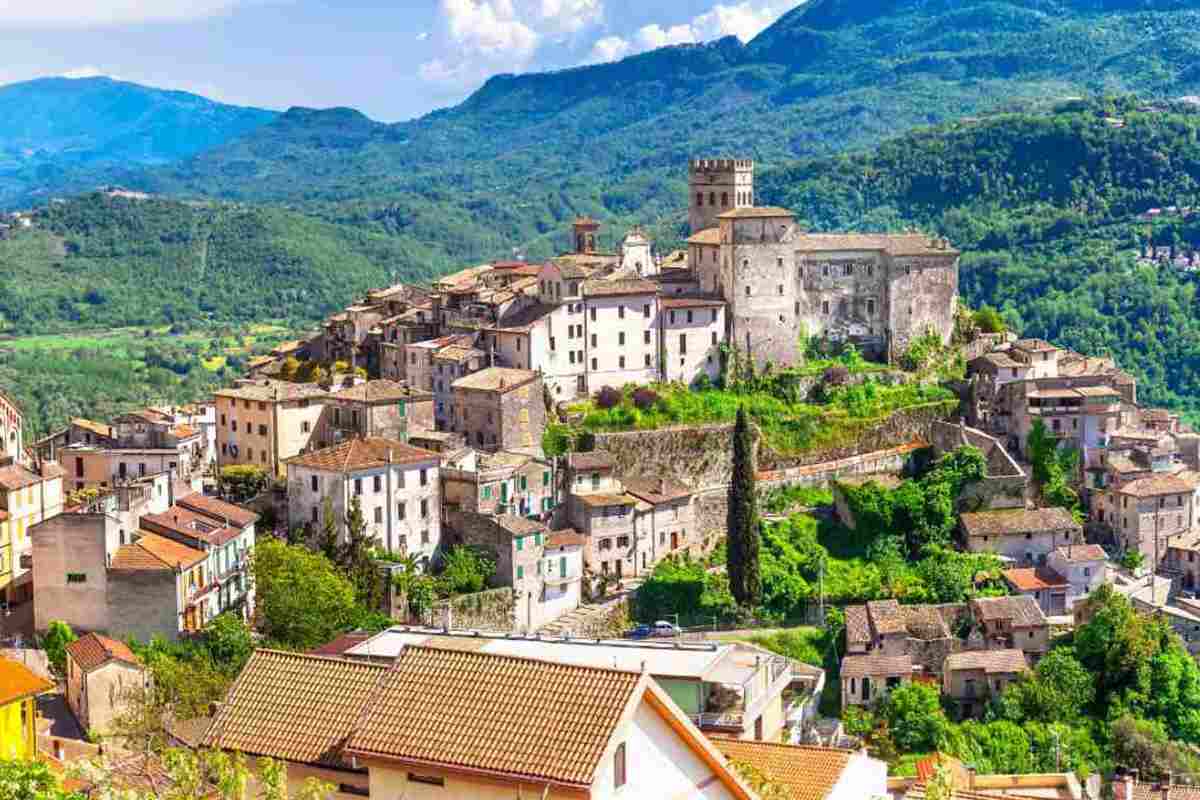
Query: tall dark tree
355,558
745,579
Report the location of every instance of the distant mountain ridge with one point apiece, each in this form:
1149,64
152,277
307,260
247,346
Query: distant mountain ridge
51,127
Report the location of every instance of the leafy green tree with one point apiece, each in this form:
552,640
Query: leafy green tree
914,717
745,581
1059,690
989,320
58,635
242,482
228,641
301,599
1144,745
328,542
31,780
465,571
356,559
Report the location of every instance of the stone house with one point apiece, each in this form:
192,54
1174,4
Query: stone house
375,409
223,531
103,675
1147,513
869,677
925,633
1027,536
1047,587
500,409
500,483
86,576
1014,622
545,577
12,431
264,423
972,678
397,485
1085,568
664,521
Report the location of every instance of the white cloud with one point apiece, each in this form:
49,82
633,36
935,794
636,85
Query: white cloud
744,20
570,16
106,13
610,48
422,36
490,27
88,72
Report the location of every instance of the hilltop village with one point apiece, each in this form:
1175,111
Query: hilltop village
424,429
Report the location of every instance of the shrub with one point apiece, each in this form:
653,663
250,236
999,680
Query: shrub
836,376
989,320
608,397
645,398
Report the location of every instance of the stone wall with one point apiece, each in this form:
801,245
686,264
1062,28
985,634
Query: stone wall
490,610
892,460
700,457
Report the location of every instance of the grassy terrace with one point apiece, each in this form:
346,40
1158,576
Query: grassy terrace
788,425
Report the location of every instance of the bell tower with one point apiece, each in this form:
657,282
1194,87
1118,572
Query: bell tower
718,185
586,233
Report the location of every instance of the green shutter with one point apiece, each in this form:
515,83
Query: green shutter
520,543
504,492
402,407
487,493
520,571
562,566
537,538
546,478
524,483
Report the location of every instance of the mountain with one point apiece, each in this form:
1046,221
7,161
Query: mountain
52,127
1051,211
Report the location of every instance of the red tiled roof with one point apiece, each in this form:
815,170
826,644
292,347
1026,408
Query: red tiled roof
218,509
93,650
360,454
340,645
192,524
566,538
1032,579
18,682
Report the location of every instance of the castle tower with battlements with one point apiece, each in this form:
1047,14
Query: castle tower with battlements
718,185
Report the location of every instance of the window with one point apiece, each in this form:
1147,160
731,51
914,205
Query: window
620,312
824,306
520,540
304,426
76,577
619,766
647,359
315,482
377,483
361,791
425,537
781,288
358,485
714,338
689,317
520,569
645,337
378,515
712,198
551,342
316,514
672,317
593,310
595,364
622,541
621,362
546,477
424,477
699,198
724,199
222,422
621,339
683,344
571,356
425,508
870,306
401,510
593,340
262,430
747,291
646,311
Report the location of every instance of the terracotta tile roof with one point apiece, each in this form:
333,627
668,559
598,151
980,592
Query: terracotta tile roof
706,236
990,661
1021,609
1000,361
1033,579
803,772
897,244
191,524
340,645
616,288
496,379
218,509
926,622
886,616
458,353
1018,521
691,302
268,391
154,552
360,454
597,459
379,391
873,664
656,490
519,526
858,629
566,538
1082,552
1034,345
1156,485
17,682
496,714
93,650
16,476
294,707
95,427
754,213
602,500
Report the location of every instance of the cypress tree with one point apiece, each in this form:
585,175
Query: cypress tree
745,580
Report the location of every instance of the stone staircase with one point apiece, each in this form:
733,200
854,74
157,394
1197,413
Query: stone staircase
590,621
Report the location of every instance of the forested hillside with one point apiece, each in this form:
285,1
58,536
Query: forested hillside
1048,211
99,261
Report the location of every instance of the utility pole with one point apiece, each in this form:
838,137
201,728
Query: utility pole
821,589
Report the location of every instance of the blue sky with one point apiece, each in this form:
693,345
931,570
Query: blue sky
392,61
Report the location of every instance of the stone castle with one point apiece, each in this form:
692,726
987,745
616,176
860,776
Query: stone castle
779,283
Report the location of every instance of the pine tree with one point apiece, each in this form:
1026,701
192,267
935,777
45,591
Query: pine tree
354,557
745,581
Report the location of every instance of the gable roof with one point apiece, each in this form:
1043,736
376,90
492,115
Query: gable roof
804,772
16,476
154,552
1000,523
1034,579
656,490
496,714
18,682
359,454
1156,485
1021,609
1081,552
217,509
871,664
294,707
93,651
593,459
380,390
990,661
495,379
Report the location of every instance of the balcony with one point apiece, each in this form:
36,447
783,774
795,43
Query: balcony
731,705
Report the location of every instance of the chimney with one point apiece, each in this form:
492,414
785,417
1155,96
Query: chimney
59,754
970,777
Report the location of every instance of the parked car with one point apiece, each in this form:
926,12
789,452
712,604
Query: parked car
665,629
641,632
